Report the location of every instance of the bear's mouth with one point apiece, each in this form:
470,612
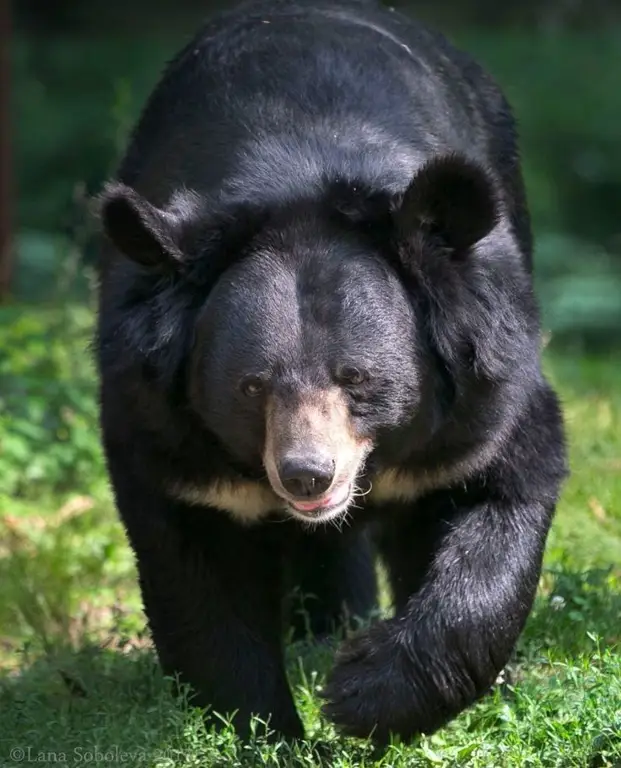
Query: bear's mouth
326,508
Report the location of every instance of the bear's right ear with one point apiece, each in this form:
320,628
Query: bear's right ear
451,201
144,233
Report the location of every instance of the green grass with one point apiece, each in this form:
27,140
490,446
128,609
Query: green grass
79,682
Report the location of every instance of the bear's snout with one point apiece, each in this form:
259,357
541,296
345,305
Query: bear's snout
312,454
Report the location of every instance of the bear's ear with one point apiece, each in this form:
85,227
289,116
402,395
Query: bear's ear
144,233
451,201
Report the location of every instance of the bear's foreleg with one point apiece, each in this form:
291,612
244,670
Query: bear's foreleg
213,592
464,578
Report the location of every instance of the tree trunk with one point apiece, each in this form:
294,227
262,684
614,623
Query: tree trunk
6,240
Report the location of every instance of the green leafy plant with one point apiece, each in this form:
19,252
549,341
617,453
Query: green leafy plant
48,418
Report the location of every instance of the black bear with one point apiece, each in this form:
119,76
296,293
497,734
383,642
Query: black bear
317,322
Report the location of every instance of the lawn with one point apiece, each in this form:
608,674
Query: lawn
78,679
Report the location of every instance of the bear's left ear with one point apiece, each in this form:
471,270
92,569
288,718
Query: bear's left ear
451,202
146,234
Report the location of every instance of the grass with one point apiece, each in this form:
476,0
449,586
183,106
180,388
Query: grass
79,683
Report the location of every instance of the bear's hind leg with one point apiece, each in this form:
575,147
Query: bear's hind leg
332,581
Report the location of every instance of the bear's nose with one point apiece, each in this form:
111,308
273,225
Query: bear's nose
306,476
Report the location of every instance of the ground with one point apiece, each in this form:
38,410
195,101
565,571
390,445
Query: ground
78,679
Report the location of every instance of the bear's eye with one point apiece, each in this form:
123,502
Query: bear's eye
348,375
252,386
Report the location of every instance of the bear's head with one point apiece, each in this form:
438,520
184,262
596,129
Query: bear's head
333,331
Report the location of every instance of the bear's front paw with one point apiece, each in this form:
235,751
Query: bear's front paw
373,688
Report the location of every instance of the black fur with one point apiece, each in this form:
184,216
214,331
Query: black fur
312,187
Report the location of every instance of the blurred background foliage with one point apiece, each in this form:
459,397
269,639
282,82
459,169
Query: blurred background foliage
81,72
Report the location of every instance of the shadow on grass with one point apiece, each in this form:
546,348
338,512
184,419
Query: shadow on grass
100,706
71,706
